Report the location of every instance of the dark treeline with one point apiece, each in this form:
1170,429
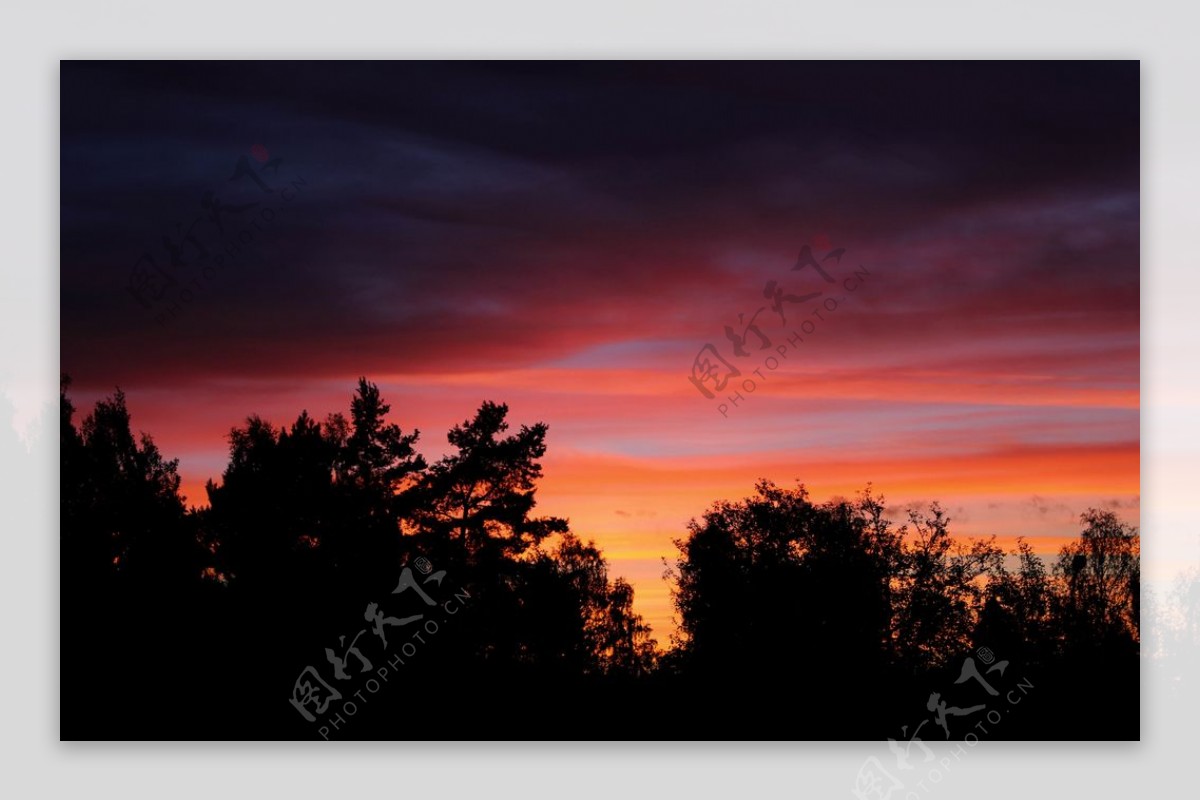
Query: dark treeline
332,558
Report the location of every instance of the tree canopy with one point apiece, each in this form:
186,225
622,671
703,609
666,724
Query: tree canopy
809,619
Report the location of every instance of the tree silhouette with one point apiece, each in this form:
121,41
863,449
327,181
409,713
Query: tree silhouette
377,456
1102,577
123,517
1017,616
775,591
481,497
609,637
275,502
941,586
316,502
130,560
752,570
808,620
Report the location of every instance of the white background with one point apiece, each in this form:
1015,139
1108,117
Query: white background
33,762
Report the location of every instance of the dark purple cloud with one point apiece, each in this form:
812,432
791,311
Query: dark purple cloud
466,215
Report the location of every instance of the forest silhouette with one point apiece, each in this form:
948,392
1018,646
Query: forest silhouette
328,547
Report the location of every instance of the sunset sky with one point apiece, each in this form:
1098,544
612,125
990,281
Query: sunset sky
567,237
